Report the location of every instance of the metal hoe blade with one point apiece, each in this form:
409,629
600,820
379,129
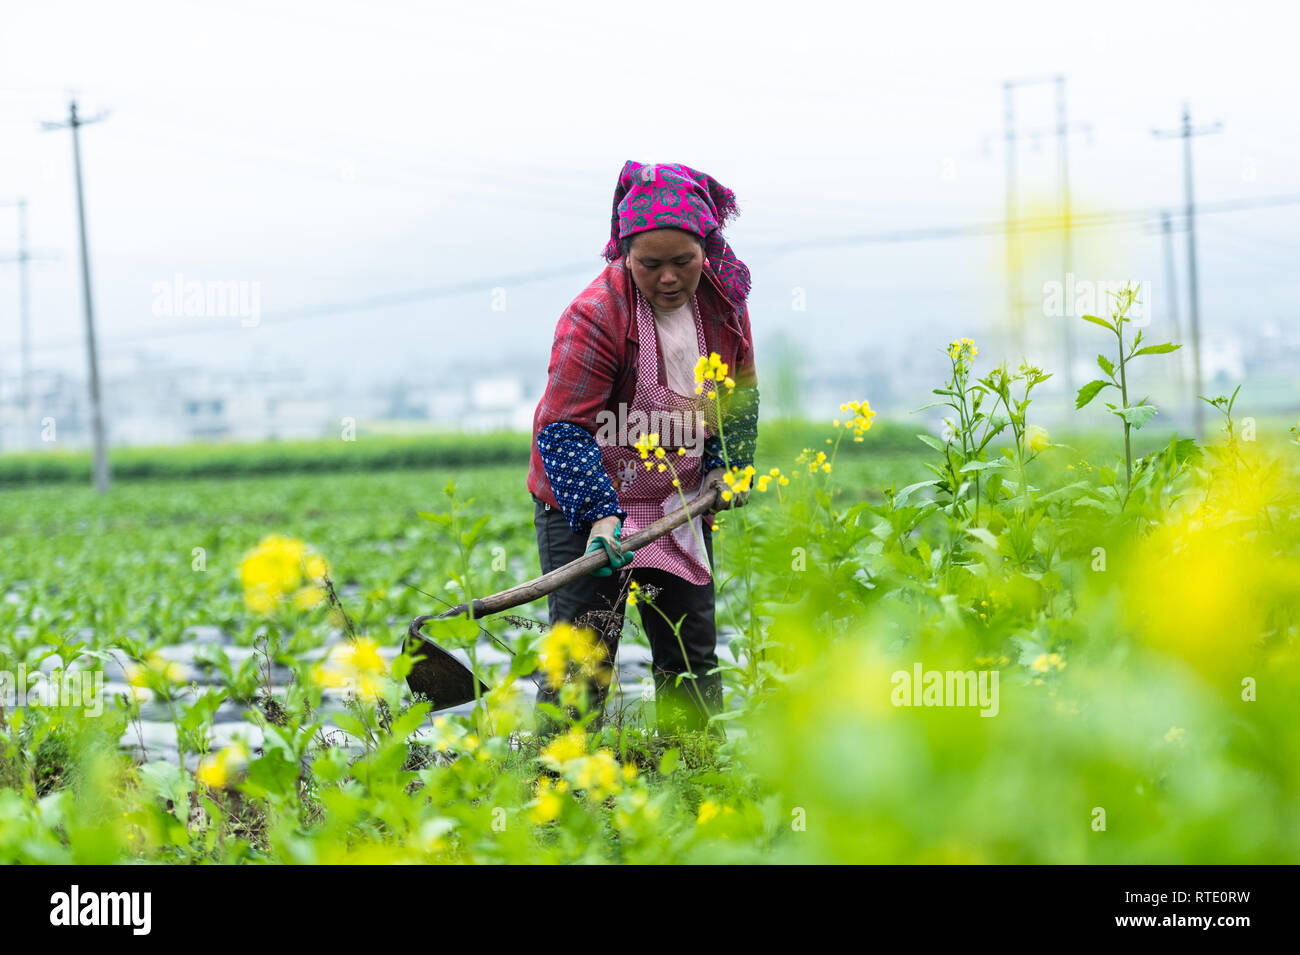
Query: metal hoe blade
437,674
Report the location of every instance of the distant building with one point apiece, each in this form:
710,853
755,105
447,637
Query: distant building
497,404
152,402
149,402
1223,359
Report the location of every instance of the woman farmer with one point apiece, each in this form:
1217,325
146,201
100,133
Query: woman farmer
673,292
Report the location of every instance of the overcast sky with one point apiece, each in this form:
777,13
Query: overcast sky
335,152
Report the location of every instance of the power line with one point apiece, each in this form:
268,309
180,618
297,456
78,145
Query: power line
1265,261
369,303
1282,244
1136,217
1038,224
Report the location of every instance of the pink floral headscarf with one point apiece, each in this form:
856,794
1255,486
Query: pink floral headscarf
672,195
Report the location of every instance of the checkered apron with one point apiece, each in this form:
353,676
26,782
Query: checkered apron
648,495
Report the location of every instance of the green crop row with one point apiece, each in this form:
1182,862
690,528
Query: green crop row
367,453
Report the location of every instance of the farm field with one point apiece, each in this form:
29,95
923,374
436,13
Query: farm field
1130,645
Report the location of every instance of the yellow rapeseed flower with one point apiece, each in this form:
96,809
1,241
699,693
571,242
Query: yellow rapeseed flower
155,670
215,771
647,443
712,368
261,599
564,749
356,665
548,805
737,480
308,597
565,643
212,773
962,350
1211,585
861,420
1046,662
598,774
281,567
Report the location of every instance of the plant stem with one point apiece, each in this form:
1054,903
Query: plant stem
1123,390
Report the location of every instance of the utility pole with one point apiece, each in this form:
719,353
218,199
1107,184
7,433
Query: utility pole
74,123
24,326
1063,189
1171,283
1186,132
1015,303
1013,265
23,257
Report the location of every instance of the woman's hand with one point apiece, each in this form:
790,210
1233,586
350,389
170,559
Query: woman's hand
607,533
737,499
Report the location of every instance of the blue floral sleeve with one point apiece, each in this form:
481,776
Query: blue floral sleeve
577,475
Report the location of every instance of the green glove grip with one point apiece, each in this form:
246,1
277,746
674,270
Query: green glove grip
615,562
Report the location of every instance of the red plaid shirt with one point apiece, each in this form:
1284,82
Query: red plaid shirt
594,357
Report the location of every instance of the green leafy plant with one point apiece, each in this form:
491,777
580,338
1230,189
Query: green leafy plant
1134,416
1117,680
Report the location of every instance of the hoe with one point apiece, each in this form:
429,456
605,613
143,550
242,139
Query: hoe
446,681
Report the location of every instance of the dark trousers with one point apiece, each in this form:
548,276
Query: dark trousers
600,602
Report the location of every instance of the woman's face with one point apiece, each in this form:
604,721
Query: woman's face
666,265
